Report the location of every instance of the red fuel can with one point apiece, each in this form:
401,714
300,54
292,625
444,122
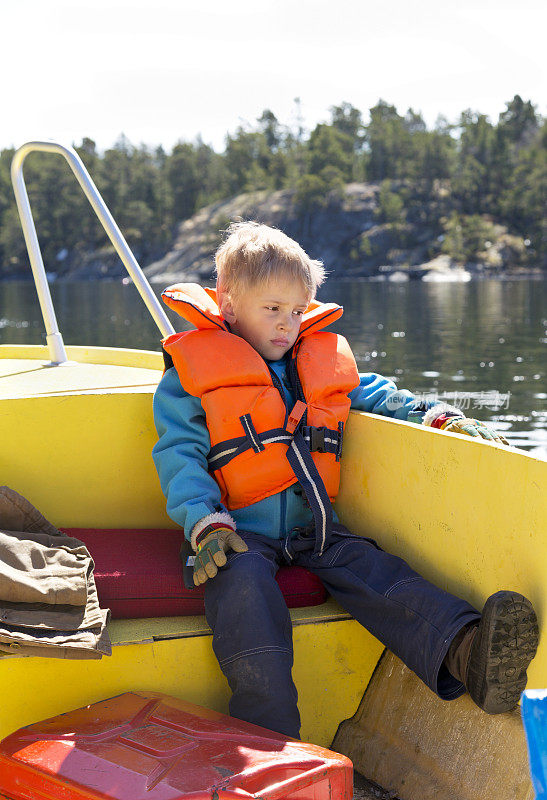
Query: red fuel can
149,746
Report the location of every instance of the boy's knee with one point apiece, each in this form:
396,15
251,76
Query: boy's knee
247,582
248,569
247,612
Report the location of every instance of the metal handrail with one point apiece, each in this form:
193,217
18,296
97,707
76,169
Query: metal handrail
53,335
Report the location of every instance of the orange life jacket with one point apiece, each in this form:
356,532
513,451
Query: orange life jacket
249,424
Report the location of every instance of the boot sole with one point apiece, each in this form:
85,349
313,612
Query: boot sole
504,646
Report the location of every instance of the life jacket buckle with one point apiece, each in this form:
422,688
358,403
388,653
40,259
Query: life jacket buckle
317,440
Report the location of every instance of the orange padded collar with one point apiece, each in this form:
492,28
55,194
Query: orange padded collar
199,306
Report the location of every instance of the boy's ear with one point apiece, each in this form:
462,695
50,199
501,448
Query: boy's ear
226,307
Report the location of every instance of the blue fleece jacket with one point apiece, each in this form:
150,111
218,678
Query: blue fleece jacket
180,455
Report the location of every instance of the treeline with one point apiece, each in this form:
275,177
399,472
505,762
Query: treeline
450,178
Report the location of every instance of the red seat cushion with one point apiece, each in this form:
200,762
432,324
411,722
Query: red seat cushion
138,573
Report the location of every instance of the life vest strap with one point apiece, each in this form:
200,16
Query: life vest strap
324,440
303,466
319,440
223,452
251,432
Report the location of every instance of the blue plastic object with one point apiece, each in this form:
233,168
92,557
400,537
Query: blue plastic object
534,714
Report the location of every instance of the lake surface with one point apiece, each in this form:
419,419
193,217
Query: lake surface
481,345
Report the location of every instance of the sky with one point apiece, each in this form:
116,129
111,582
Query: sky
160,71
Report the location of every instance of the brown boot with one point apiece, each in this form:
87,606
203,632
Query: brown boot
491,658
457,658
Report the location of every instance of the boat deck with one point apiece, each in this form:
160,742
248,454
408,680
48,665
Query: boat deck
146,631
33,376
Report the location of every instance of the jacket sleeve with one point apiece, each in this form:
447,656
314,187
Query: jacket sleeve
180,456
379,395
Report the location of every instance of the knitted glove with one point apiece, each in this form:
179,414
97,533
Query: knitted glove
472,427
440,413
449,418
212,544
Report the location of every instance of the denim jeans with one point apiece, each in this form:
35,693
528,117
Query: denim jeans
252,631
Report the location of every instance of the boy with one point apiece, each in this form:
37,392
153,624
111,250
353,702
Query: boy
250,416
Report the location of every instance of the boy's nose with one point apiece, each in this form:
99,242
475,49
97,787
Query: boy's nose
284,323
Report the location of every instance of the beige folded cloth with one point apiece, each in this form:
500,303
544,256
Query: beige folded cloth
84,643
17,514
39,568
48,598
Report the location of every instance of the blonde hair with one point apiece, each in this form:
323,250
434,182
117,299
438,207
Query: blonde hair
254,254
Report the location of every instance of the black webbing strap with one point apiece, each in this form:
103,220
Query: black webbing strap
251,432
223,452
302,464
318,440
323,440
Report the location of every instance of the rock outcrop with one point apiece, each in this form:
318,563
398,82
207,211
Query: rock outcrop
347,235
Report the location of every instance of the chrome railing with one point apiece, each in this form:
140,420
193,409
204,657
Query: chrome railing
53,336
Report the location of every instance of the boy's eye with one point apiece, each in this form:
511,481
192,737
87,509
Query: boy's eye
297,312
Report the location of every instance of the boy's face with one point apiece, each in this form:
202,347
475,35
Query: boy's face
267,316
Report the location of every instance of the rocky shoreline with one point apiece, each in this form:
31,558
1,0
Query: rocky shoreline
348,235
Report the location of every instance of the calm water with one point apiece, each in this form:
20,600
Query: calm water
480,344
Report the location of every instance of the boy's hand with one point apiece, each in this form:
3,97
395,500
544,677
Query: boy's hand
472,427
212,545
